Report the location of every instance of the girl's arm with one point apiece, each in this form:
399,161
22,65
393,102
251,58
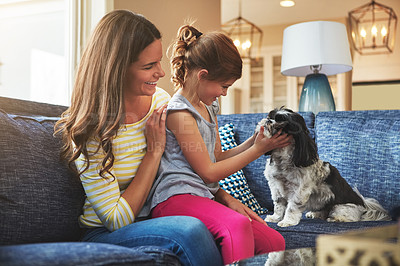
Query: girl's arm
185,129
222,155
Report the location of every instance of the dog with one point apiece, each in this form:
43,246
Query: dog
300,181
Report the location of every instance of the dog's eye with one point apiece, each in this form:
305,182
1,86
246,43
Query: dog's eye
267,122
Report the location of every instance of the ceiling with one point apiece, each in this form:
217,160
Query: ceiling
269,12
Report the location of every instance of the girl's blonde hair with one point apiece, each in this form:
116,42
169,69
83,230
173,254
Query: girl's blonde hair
97,107
212,51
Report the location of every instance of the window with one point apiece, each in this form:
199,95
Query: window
32,55
40,46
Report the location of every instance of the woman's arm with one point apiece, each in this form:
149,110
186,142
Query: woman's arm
104,197
185,129
116,210
138,190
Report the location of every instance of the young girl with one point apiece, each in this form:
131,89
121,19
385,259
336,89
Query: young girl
114,133
204,66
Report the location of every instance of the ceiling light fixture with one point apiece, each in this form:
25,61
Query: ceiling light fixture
373,28
245,35
287,3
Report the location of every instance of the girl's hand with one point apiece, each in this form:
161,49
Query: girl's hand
238,206
278,140
155,130
224,198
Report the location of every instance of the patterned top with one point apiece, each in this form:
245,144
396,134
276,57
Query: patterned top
175,175
104,205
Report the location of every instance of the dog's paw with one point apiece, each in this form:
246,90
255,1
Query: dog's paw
315,215
335,219
340,219
310,215
285,223
272,218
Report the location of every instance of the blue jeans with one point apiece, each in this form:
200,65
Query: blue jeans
185,236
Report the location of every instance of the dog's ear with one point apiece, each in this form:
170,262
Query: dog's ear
305,151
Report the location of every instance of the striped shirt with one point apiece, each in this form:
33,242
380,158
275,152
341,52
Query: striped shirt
104,205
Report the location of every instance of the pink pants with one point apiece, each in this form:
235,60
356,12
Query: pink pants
237,237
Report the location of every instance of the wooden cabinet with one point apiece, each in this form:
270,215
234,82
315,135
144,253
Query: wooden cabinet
256,85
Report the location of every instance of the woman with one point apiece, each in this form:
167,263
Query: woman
114,133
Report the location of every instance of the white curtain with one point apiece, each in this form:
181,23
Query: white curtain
83,16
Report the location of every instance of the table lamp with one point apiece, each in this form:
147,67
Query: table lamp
315,50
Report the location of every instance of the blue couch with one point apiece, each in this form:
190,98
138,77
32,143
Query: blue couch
363,145
41,200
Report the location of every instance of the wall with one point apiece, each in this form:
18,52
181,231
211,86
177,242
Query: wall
376,96
169,15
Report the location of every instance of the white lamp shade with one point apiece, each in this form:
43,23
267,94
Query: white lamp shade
322,43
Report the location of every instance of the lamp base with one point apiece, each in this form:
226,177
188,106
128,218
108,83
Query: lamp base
316,95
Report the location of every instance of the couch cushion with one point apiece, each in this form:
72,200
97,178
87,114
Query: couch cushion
365,147
245,124
24,107
40,198
236,184
307,231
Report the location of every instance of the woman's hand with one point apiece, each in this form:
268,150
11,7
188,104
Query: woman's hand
278,140
155,130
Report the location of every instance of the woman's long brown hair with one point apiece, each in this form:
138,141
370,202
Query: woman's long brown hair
97,107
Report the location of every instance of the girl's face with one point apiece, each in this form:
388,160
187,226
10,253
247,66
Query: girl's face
208,91
142,75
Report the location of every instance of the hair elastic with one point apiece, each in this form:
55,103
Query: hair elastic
198,34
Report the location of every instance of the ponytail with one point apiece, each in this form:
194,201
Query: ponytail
213,51
185,37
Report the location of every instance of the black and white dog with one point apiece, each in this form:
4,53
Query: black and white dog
300,181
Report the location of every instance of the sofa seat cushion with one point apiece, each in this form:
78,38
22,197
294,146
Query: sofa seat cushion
306,232
40,198
365,147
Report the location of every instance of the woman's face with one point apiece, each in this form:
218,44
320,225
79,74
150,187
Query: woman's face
142,75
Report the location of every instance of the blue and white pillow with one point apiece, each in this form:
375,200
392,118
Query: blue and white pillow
236,184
